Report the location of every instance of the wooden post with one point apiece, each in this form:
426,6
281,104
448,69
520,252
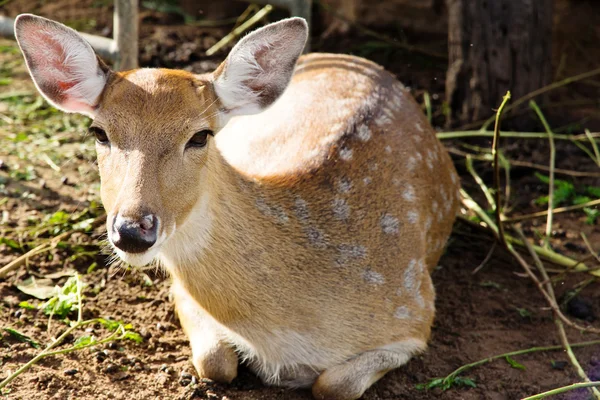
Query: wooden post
495,46
125,33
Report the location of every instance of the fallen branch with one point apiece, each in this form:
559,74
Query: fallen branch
525,164
554,210
487,360
515,135
263,12
562,390
559,325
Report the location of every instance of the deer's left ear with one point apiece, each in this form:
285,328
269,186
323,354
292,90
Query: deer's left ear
63,65
260,66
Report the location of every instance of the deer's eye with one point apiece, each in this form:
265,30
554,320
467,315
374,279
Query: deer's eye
99,134
199,139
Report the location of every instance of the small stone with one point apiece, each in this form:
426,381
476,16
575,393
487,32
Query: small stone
42,184
3,166
145,333
112,346
185,382
186,375
111,368
207,381
559,365
101,355
64,180
18,313
580,308
71,372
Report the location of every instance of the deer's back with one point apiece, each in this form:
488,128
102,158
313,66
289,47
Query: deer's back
339,198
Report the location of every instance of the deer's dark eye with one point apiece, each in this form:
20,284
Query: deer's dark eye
199,139
99,134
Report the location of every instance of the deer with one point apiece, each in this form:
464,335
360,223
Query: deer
299,203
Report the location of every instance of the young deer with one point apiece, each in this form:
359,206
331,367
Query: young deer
298,204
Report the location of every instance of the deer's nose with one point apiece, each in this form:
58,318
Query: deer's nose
134,235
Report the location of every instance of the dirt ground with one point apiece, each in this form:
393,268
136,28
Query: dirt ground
494,311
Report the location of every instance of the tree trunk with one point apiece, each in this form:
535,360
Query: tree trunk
495,46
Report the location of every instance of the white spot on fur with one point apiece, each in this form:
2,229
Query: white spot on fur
419,127
397,100
421,266
453,177
350,253
346,154
419,299
301,210
419,156
373,166
409,193
402,312
341,209
344,185
273,211
389,224
316,237
388,149
428,223
364,133
413,279
373,277
434,206
411,163
412,217
383,121
367,180
429,164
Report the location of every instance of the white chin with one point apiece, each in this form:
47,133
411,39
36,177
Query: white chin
138,259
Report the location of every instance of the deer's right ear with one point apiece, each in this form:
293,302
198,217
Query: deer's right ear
63,65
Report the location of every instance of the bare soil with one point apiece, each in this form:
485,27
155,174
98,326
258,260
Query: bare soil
479,315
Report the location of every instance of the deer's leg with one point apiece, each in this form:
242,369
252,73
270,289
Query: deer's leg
212,356
349,380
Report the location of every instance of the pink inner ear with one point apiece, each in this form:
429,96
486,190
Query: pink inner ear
63,66
51,60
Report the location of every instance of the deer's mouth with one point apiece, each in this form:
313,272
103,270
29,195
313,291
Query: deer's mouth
141,259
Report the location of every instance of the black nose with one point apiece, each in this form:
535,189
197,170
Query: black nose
134,236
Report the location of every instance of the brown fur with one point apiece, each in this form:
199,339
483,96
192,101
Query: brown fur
301,237
281,256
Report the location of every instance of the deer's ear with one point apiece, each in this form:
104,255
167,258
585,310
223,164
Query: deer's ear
63,65
260,66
